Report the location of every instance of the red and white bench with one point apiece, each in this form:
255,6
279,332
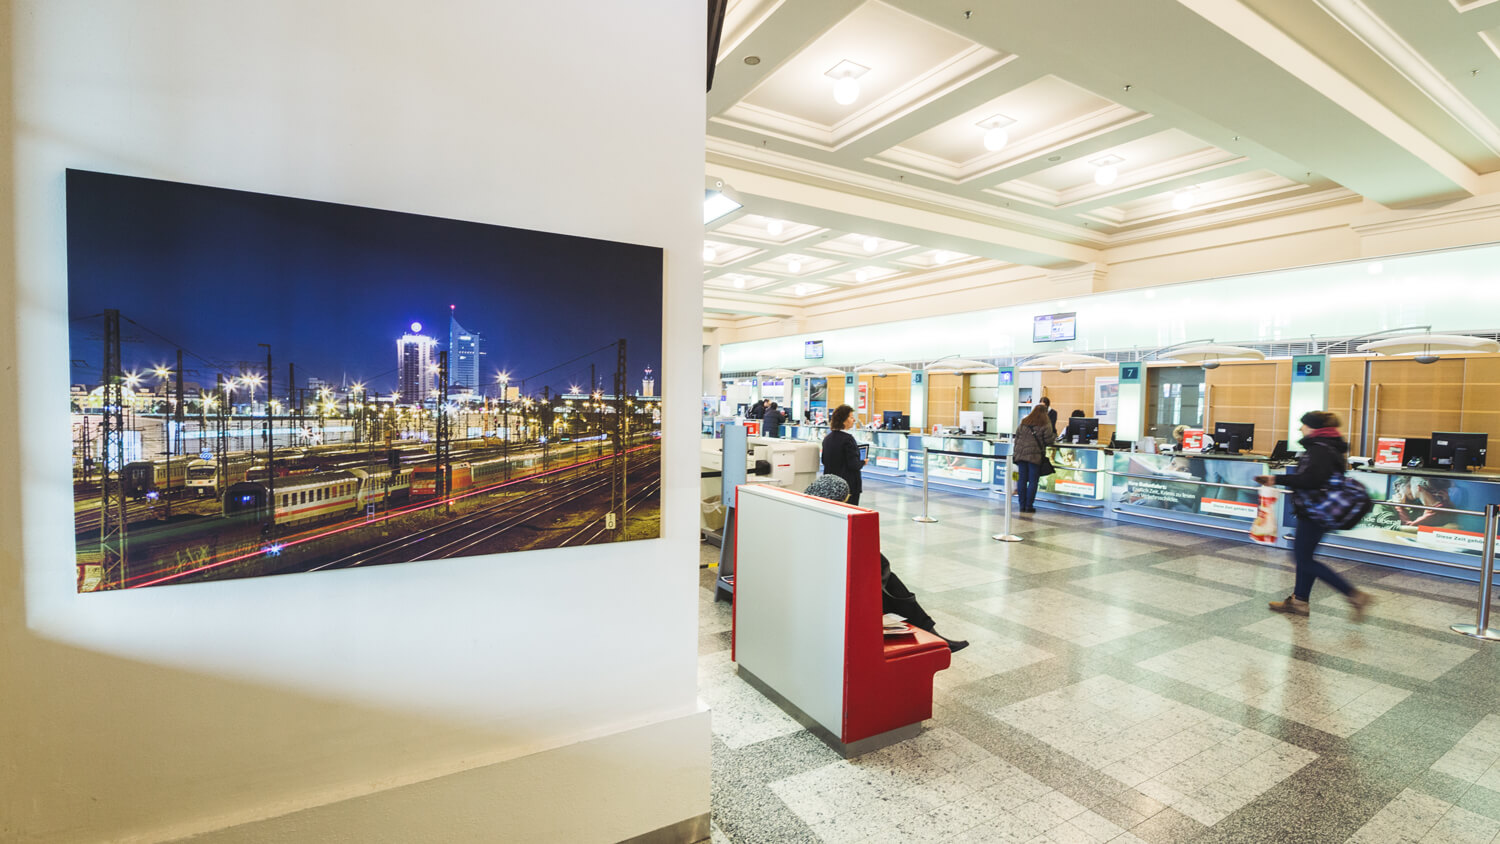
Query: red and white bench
807,622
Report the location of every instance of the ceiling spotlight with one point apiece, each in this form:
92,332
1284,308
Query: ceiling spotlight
845,77
1426,358
872,244
1184,200
793,266
773,228
941,257
739,282
1210,364
846,90
801,289
995,139
861,275
709,254
1108,169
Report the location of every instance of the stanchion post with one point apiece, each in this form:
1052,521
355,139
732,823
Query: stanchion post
1480,629
926,459
1005,535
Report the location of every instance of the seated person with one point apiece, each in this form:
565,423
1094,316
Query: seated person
894,596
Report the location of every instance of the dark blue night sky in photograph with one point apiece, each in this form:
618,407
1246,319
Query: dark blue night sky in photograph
331,288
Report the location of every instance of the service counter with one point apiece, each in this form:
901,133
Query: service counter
1424,519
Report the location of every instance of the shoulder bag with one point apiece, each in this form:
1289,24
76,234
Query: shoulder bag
1044,468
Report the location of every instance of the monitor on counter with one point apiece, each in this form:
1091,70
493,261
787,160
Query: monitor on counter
1234,437
1081,430
895,420
1458,452
972,421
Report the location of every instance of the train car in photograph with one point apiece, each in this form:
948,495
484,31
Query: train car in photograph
319,496
203,475
144,477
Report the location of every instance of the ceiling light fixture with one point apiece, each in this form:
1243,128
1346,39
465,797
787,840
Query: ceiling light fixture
1184,199
793,266
801,289
845,76
941,257
1108,169
709,254
861,275
995,136
872,244
773,228
739,282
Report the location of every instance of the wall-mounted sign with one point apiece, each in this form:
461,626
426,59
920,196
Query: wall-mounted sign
1050,327
1309,369
812,350
916,377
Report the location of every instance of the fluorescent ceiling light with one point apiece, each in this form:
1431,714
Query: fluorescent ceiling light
716,205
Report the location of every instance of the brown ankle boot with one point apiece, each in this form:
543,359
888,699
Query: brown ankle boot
1291,606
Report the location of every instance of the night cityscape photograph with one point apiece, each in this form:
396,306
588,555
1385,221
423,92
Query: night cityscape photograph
264,385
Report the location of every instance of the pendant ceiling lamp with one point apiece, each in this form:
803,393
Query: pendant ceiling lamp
1063,361
775,373
961,365
880,367
820,371
1210,355
1427,347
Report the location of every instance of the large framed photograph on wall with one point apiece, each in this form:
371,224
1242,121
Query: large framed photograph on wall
264,385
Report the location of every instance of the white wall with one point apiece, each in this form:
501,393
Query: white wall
179,710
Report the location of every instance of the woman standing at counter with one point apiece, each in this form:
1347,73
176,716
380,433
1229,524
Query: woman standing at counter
841,452
1029,448
1322,458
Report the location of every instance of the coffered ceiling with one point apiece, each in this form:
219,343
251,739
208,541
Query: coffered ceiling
978,133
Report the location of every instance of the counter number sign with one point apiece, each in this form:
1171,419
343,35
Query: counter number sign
1308,369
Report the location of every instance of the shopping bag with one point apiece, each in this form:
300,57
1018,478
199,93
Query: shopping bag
1267,522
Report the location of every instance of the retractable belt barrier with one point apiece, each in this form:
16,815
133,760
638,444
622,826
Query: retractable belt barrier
1004,535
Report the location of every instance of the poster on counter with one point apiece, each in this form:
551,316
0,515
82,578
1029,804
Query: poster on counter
1390,452
1075,475
952,466
1107,400
1207,487
1432,529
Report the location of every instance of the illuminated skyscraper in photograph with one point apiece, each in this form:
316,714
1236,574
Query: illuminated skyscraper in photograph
463,356
648,384
415,359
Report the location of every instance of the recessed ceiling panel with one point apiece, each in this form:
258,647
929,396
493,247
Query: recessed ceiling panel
771,230
1045,114
1155,158
1193,199
899,60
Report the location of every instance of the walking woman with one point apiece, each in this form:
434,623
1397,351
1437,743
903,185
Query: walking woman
1029,449
841,452
1322,457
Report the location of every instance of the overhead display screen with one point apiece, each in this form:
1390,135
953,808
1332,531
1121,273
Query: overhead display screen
812,350
1050,327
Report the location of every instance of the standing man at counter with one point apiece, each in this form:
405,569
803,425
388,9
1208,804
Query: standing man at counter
841,452
1051,414
770,424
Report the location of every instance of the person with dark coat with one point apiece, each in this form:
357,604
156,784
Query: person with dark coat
1323,456
1028,450
1051,414
757,410
841,452
770,425
894,596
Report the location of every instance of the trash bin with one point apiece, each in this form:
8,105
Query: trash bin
713,514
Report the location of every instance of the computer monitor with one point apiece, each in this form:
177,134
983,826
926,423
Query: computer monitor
895,419
1458,452
1234,437
972,421
1081,429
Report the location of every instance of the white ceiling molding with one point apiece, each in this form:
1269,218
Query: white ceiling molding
1369,28
1242,23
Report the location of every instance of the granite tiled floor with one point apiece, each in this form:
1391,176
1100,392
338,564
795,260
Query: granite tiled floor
1126,684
